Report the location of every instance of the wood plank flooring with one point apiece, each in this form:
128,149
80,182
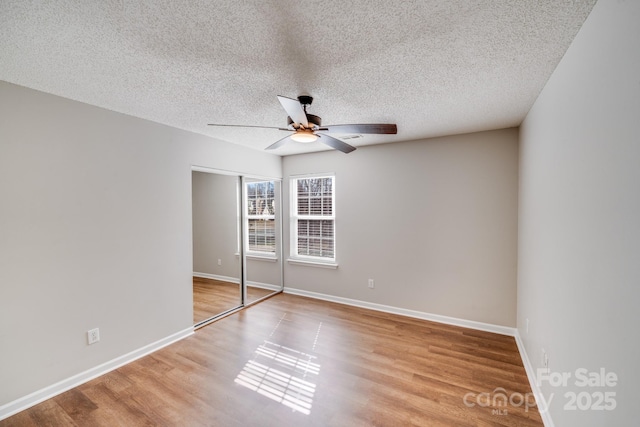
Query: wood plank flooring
294,361
211,297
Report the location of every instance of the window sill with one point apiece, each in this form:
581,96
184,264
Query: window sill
256,257
307,263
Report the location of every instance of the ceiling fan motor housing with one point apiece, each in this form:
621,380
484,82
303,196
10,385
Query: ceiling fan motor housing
311,118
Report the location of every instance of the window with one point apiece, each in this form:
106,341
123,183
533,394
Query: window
313,218
261,211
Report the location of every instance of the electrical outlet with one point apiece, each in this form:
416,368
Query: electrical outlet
371,284
93,336
219,262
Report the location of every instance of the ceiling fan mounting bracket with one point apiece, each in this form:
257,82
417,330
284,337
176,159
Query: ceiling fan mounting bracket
305,99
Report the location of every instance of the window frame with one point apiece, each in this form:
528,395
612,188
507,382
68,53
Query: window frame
294,216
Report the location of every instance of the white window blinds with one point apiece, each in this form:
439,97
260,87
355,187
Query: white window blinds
313,220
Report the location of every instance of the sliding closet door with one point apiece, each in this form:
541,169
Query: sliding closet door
217,271
262,222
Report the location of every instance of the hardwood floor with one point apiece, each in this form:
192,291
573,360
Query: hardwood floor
211,297
292,361
254,293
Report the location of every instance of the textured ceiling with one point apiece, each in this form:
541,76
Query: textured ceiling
434,67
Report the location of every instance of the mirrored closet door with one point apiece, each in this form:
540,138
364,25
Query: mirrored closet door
262,238
237,241
217,281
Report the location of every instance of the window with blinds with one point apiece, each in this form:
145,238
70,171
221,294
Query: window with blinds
312,215
261,211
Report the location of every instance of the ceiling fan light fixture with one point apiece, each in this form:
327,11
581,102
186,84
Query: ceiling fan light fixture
304,136
304,127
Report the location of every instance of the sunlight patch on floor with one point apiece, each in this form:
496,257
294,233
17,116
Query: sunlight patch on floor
282,374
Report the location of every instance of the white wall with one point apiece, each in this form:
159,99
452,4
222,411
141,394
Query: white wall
579,229
95,231
432,222
215,224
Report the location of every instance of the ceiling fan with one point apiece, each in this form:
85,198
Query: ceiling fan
308,127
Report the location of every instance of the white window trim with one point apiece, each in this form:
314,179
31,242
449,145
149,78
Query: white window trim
307,260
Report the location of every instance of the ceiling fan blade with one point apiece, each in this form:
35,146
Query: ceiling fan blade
279,143
363,128
336,143
294,110
248,126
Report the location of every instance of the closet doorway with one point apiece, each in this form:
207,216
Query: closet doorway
237,242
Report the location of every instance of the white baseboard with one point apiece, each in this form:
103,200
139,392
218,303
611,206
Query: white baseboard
531,375
267,286
498,329
216,277
48,392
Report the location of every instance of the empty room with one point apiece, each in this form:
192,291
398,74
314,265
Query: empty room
280,213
